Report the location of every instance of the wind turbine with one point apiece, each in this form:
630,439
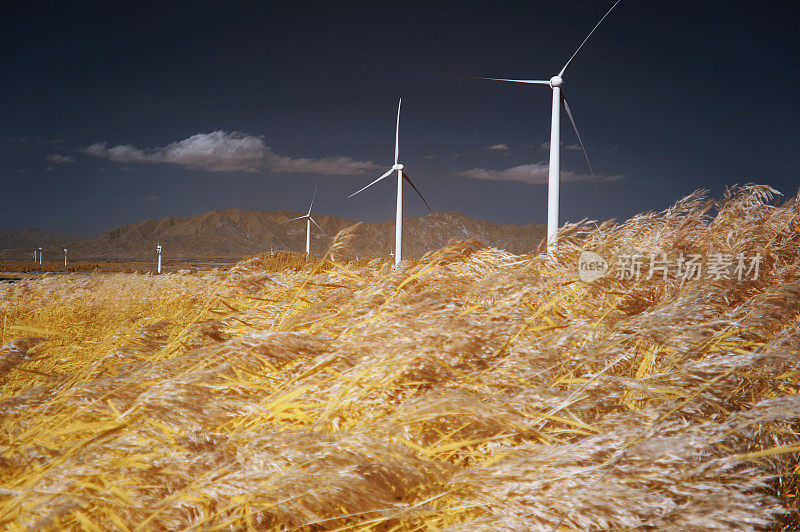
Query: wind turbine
398,224
158,252
65,256
309,221
553,185
40,255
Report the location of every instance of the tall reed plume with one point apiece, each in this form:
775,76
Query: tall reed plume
471,389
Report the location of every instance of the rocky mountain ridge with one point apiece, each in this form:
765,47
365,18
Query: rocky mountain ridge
235,233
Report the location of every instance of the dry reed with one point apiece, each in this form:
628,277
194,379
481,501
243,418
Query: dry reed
471,389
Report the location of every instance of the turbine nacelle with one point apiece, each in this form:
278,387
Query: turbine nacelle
398,166
556,81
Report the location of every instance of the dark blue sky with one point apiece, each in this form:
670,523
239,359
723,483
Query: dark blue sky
109,110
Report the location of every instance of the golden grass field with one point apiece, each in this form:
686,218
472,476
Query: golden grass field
471,389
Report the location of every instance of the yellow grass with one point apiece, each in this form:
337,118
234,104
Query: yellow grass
471,389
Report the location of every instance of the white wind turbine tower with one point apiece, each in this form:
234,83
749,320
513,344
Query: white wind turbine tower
309,220
40,255
158,252
65,256
398,224
556,82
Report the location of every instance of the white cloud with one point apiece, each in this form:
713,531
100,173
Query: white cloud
60,159
533,174
545,146
499,147
327,166
220,151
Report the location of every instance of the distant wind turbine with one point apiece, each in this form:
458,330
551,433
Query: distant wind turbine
65,256
40,256
398,224
158,252
556,83
309,220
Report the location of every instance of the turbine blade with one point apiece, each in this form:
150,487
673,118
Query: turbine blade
526,81
572,120
293,219
312,199
397,134
405,176
318,227
381,177
561,74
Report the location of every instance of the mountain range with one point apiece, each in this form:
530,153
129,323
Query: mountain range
235,233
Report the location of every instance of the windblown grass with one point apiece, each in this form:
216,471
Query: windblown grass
470,390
